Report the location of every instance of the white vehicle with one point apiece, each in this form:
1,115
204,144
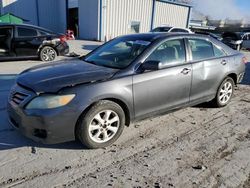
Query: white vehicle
246,41
171,29
237,40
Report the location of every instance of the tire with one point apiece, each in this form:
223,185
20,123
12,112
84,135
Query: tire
224,93
101,125
48,53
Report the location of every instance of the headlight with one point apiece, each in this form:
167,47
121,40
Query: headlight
49,101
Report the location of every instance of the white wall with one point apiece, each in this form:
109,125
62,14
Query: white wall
170,14
118,14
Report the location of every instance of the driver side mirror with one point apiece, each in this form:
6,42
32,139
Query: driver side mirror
151,65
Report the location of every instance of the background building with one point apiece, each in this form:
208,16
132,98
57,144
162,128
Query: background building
99,19
50,14
106,19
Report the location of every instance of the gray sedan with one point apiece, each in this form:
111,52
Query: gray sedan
125,80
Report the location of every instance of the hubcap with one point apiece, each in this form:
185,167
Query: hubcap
48,54
225,92
104,126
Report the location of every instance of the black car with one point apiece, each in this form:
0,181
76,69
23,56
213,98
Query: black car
27,41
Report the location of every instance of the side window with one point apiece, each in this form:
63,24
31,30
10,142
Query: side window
246,37
201,49
5,32
26,32
169,52
43,33
218,52
179,30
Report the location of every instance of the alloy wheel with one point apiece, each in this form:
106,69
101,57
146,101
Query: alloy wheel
226,92
48,54
104,126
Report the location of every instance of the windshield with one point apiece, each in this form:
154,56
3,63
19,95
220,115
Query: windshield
118,53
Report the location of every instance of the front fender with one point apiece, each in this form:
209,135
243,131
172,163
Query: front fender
88,94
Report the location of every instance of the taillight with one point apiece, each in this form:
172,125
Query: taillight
244,60
63,38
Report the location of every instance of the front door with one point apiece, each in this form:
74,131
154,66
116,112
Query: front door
160,90
26,42
6,36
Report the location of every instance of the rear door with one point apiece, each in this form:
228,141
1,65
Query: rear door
27,41
160,90
209,65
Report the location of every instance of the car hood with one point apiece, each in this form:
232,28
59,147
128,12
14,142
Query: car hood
52,77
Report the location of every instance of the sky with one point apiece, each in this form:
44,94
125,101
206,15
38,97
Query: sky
221,9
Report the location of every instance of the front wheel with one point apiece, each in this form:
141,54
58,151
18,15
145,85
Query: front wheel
48,53
225,92
101,125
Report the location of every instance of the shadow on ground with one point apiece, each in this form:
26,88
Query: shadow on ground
11,138
36,59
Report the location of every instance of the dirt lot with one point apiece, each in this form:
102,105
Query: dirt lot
194,147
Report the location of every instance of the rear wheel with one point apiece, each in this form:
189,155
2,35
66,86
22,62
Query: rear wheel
101,125
48,53
225,92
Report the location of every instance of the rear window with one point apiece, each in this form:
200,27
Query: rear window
5,32
161,29
179,30
201,49
26,32
43,33
218,52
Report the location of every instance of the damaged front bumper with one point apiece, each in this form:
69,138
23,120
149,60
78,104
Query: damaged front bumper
49,126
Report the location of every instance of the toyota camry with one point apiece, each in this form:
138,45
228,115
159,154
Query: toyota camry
127,79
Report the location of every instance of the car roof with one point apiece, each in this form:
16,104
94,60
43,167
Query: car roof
26,25
152,36
164,27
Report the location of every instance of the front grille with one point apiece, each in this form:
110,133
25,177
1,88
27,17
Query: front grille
18,97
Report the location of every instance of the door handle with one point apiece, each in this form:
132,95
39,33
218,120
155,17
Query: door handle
185,71
223,62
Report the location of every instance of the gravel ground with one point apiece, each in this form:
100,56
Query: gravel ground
193,147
